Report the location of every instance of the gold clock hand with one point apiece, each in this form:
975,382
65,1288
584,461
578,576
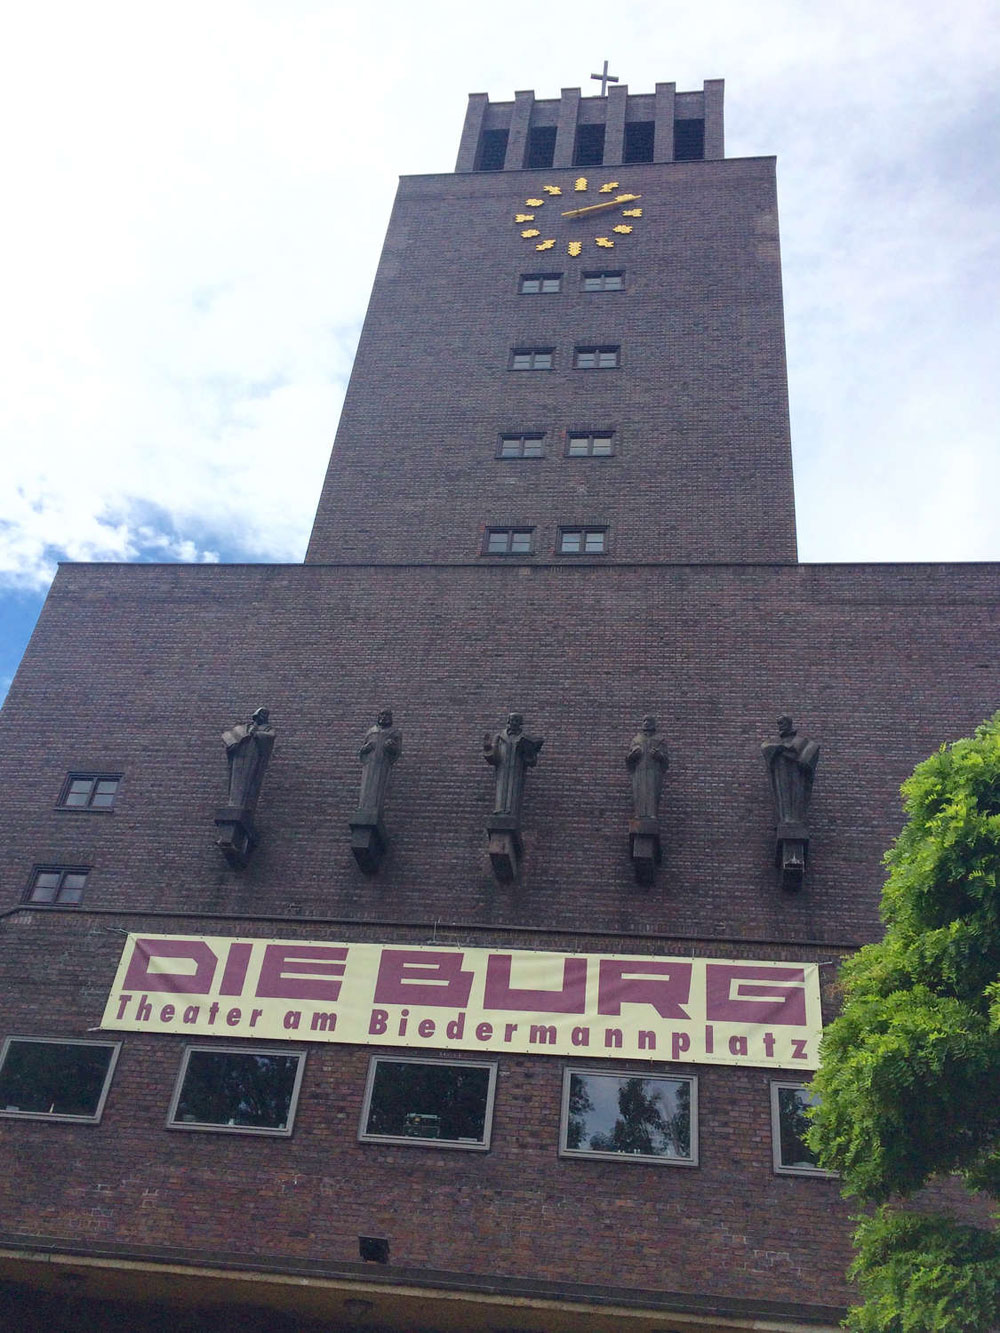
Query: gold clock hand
597,208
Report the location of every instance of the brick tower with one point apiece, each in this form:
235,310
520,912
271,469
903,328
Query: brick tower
515,1044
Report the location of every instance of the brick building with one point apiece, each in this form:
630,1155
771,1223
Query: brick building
561,485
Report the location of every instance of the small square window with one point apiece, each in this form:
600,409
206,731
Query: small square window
583,541
790,1103
630,1117
57,886
509,541
247,1092
521,446
597,358
581,445
532,358
440,1103
48,1078
604,282
89,791
535,284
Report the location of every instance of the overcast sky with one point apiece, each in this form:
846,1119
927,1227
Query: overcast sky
195,197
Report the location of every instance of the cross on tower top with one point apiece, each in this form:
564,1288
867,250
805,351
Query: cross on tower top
605,78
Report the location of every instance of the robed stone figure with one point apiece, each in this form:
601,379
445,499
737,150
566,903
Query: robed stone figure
381,747
248,749
791,763
511,753
647,761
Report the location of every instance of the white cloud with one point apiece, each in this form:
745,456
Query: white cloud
198,198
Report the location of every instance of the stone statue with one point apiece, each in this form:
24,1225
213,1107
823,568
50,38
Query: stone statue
511,752
248,749
791,763
381,747
647,761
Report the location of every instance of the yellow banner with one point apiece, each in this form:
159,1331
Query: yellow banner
619,1006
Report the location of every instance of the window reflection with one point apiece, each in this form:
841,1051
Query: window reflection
445,1102
607,1114
237,1090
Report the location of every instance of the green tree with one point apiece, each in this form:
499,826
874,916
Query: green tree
910,1076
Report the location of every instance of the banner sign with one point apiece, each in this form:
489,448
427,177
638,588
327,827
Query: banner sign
619,1006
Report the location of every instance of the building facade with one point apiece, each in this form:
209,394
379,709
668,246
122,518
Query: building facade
508,1045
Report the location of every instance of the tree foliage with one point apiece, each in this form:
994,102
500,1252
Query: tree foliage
910,1080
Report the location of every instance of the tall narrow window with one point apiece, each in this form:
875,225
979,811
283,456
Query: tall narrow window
52,1078
589,146
492,150
541,146
790,1104
638,141
629,1117
689,140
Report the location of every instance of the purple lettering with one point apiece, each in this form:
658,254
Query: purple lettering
737,1045
123,1002
571,998
798,1049
301,972
664,985
166,1013
423,976
679,1043
379,1022
580,1036
147,951
484,1031
732,996
144,1011
292,1019
509,1030
456,1028
769,1044
234,1016
237,962
254,1015
191,1013
426,1026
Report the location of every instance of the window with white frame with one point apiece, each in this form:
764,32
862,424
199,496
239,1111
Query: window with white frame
237,1090
89,791
635,1117
790,1104
604,282
55,1078
442,1103
532,358
597,358
537,284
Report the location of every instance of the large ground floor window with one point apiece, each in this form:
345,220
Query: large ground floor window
642,1118
245,1091
52,1079
447,1103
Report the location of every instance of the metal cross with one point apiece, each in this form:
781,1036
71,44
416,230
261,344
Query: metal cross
605,78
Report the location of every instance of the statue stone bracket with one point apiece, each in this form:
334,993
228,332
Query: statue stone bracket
248,749
646,760
381,747
791,763
511,753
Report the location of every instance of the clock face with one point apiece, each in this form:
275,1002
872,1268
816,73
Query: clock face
583,215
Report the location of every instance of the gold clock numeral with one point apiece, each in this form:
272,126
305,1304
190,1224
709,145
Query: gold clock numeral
574,248
622,198
530,231
552,189
544,245
524,217
631,212
604,242
622,229
537,203
606,189
580,183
